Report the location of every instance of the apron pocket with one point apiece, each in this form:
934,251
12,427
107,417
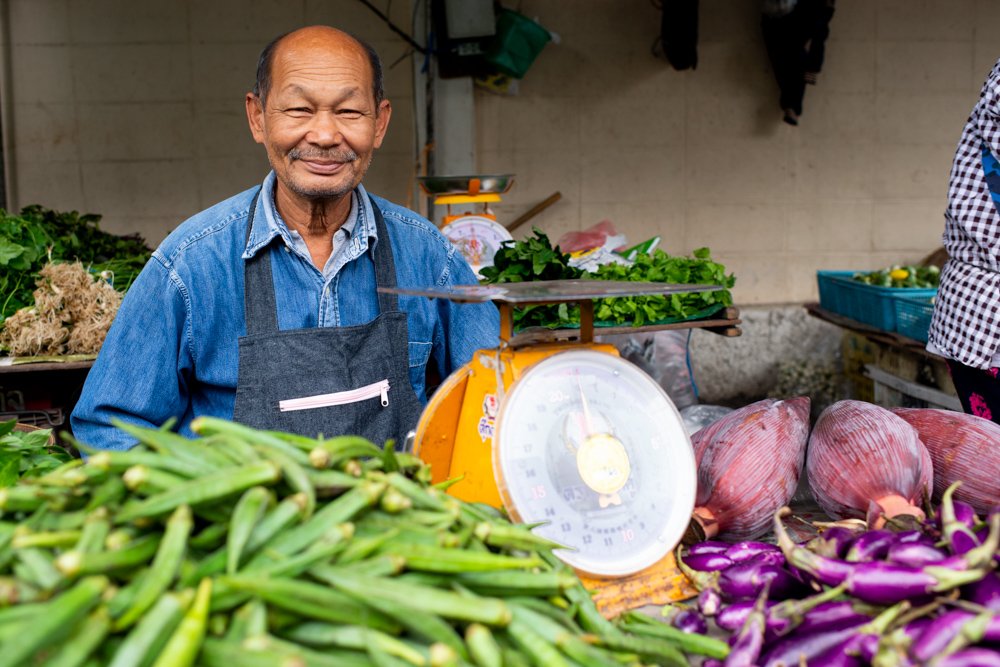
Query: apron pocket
376,389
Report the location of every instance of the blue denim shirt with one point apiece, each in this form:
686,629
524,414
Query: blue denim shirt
172,350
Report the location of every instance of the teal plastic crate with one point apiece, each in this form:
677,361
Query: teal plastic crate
913,316
868,304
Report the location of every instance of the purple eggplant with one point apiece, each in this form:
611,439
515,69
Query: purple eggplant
876,582
971,657
985,592
712,662
915,554
914,537
732,617
964,513
709,547
960,537
798,648
834,542
841,648
887,583
749,640
832,616
690,621
708,562
743,551
709,601
748,580
872,545
939,633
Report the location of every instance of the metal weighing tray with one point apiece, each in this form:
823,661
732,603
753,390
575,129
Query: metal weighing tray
508,295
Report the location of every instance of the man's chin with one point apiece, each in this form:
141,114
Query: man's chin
321,190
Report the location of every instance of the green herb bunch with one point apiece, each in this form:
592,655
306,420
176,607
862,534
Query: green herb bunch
38,235
535,258
27,454
660,267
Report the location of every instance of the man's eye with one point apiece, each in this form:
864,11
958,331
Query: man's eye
298,110
350,113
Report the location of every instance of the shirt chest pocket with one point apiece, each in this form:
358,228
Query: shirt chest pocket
419,354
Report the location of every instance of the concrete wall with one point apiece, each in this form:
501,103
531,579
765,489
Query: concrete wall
702,158
133,109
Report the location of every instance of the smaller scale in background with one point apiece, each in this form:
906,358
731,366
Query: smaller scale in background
476,233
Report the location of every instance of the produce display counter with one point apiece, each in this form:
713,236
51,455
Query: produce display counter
41,394
888,368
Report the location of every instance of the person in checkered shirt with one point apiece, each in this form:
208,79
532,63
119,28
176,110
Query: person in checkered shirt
965,328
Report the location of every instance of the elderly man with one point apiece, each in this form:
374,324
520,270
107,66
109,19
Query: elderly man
264,307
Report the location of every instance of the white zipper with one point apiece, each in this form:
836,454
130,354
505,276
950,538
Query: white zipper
338,398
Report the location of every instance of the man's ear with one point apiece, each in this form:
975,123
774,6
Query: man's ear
382,122
255,117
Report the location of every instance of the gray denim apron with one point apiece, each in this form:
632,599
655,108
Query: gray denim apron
325,380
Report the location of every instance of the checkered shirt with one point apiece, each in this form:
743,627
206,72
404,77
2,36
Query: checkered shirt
966,322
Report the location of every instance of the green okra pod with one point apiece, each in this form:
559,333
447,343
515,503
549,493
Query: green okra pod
216,486
490,611
176,446
63,611
310,600
184,644
294,474
145,641
39,568
436,559
56,539
120,461
688,642
247,513
95,530
541,652
164,568
348,636
84,642
341,510
137,552
483,648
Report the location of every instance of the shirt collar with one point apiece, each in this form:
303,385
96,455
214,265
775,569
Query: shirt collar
267,222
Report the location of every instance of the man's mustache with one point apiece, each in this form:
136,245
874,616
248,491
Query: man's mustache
326,156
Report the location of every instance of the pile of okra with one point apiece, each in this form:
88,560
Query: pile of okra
258,548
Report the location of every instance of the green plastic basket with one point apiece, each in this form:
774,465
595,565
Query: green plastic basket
517,43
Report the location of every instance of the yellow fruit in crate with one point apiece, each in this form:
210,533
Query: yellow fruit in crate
899,274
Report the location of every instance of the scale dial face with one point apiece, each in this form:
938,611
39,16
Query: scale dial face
591,447
478,238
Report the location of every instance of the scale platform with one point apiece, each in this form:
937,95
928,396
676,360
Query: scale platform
510,295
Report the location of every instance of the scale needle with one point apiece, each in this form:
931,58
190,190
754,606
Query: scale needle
588,418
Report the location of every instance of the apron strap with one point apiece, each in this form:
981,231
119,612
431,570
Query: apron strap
260,306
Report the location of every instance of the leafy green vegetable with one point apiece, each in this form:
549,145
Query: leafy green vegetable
27,454
535,259
38,235
902,276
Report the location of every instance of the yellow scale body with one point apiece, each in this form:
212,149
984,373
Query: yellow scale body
454,436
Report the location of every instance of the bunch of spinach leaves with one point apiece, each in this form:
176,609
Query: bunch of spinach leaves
534,258
27,454
38,235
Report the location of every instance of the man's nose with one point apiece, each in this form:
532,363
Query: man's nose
325,130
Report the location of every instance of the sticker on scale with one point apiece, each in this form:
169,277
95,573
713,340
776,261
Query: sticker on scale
487,423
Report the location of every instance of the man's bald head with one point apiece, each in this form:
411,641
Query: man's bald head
262,86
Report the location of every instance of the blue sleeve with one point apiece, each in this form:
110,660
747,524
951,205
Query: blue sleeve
467,327
140,374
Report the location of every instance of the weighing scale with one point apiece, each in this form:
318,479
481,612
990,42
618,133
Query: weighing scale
563,432
476,234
